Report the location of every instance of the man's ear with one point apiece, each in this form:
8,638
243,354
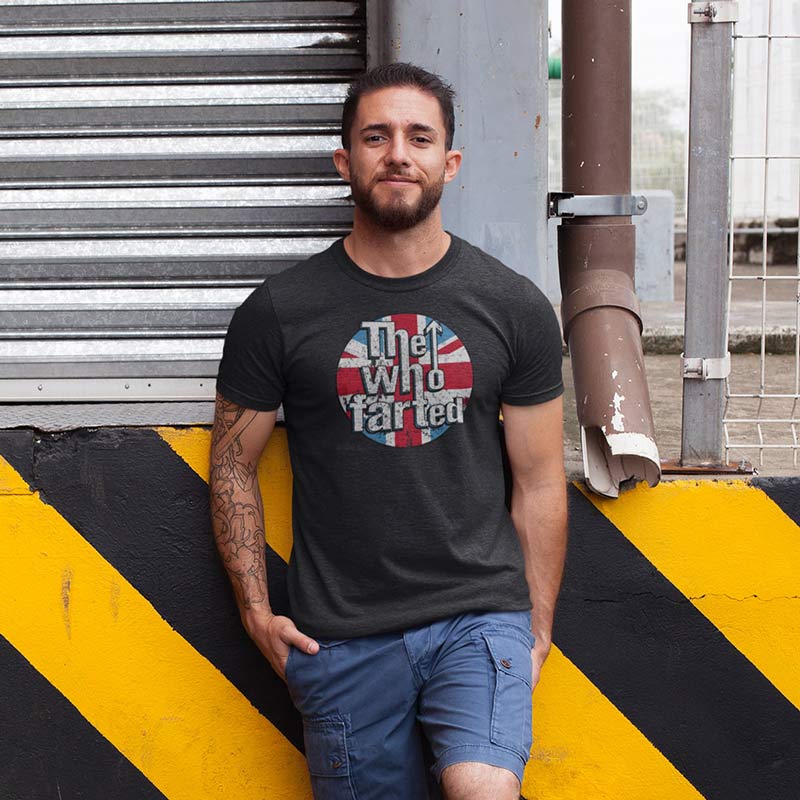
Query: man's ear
452,163
341,160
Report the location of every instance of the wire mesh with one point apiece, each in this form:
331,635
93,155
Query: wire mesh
762,408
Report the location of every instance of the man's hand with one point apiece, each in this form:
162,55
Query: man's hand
274,635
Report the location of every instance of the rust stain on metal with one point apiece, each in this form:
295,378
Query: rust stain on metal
674,467
537,122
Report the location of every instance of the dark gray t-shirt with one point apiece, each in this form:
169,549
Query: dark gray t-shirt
391,389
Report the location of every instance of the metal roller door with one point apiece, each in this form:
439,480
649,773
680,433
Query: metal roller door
157,160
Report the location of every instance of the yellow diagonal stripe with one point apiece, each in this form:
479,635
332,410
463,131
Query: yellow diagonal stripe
144,688
584,747
11,482
274,477
734,554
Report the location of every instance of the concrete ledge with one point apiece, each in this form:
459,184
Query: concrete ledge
663,327
672,672
669,341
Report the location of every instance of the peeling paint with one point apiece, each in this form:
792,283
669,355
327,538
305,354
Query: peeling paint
634,444
66,588
617,419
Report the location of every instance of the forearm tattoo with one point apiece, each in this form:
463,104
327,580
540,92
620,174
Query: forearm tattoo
237,512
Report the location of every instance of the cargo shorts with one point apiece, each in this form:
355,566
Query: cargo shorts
383,715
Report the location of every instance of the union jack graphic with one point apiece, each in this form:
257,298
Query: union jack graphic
404,379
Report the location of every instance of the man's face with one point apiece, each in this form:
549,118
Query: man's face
397,164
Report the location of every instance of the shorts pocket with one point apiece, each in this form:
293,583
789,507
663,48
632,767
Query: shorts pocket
328,757
510,653
328,643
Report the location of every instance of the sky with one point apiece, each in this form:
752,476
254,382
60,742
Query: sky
660,42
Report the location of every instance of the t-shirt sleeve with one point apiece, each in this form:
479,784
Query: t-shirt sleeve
250,372
535,375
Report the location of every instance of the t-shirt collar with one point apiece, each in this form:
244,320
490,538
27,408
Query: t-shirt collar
421,279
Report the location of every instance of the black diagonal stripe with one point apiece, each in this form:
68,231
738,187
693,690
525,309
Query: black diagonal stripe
16,446
146,512
49,750
670,671
785,493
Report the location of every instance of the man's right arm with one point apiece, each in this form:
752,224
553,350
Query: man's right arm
237,517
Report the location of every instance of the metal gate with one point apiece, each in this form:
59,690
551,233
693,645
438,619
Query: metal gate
157,161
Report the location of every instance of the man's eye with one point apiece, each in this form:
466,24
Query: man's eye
375,137
422,140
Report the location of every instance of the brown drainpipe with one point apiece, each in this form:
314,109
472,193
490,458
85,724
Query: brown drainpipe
600,311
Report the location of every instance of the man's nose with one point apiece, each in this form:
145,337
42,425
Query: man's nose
397,152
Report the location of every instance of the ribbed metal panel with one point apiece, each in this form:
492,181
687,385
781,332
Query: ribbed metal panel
157,160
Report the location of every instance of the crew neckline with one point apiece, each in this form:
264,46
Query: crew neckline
405,284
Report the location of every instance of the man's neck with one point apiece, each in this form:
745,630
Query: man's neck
397,254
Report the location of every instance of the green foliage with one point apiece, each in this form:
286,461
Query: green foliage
659,143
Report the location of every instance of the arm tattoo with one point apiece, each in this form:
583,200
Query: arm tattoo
237,512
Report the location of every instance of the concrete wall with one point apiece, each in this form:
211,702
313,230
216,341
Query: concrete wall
496,59
126,673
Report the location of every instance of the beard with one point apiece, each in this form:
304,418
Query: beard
395,213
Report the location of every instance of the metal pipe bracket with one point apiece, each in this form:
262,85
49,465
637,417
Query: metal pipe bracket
717,11
566,205
706,369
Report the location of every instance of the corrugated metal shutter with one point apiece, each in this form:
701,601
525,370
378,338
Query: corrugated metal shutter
157,160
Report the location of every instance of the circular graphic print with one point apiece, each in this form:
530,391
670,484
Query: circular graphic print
403,380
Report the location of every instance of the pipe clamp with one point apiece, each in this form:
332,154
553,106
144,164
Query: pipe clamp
706,369
717,11
566,204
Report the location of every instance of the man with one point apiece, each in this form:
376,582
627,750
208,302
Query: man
410,585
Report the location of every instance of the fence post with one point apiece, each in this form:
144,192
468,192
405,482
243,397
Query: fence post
706,362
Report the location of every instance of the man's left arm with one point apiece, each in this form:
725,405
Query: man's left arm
534,441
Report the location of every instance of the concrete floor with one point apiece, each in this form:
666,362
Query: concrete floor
750,318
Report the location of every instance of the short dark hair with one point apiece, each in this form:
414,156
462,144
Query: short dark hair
399,74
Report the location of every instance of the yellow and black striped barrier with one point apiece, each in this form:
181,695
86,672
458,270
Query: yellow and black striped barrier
126,673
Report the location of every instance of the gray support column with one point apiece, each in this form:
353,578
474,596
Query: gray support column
495,55
706,324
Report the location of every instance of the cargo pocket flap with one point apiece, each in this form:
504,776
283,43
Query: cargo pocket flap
508,656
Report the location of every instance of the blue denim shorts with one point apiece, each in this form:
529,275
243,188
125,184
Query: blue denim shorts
383,715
